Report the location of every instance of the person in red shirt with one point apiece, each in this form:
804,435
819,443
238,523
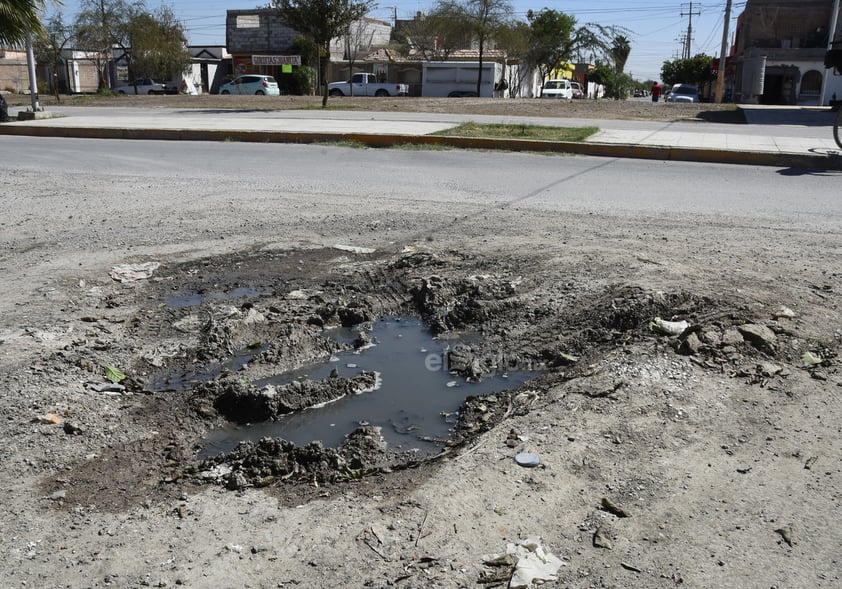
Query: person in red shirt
656,92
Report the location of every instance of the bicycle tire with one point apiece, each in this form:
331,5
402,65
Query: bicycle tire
837,122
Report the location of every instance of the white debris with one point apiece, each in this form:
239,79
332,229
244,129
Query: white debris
216,473
133,272
784,312
302,294
354,249
533,563
254,316
669,327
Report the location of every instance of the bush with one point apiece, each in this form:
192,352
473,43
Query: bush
302,81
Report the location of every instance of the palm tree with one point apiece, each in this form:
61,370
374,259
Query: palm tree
620,50
19,19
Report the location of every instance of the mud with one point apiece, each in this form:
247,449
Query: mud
504,313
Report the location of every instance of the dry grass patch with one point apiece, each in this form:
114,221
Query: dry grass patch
513,131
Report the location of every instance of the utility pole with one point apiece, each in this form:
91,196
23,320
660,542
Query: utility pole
689,38
834,19
723,51
33,83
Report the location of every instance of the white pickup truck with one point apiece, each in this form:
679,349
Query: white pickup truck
143,86
366,85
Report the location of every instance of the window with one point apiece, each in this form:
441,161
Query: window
811,83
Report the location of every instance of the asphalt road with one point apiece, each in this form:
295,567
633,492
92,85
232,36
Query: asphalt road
195,177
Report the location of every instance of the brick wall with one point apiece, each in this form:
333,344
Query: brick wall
257,31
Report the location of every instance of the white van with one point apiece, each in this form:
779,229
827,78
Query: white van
557,89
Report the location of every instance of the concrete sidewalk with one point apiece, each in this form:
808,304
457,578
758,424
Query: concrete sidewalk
776,136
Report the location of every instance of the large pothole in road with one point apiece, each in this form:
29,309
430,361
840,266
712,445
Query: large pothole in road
266,357
395,378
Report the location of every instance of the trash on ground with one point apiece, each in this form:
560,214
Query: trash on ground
354,249
113,374
48,418
663,327
532,563
811,359
527,459
133,272
106,387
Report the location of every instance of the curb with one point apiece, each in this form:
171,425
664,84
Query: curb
717,156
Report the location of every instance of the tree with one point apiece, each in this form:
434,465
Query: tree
602,74
550,40
49,47
19,19
433,36
95,28
480,18
153,43
620,49
358,39
322,21
695,70
514,39
555,39
303,78
621,84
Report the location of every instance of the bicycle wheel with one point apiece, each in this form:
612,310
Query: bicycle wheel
837,122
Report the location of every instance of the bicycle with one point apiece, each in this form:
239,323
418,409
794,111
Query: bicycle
833,59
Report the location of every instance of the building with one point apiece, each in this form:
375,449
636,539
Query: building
209,68
14,75
259,42
778,53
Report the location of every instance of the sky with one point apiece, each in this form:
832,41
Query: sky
656,28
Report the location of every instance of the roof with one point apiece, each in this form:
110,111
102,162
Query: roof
386,55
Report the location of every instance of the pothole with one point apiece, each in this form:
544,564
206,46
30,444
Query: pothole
216,365
413,401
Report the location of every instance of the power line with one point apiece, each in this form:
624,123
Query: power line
689,39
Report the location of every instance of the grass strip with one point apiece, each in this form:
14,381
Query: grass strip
511,131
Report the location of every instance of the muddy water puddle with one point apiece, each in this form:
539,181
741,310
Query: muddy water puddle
414,403
194,299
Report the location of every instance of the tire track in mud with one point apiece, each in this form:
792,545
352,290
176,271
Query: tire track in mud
388,294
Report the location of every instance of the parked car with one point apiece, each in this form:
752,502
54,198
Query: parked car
252,84
141,86
684,93
577,90
561,89
365,84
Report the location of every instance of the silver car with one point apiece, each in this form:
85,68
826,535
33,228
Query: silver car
684,93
